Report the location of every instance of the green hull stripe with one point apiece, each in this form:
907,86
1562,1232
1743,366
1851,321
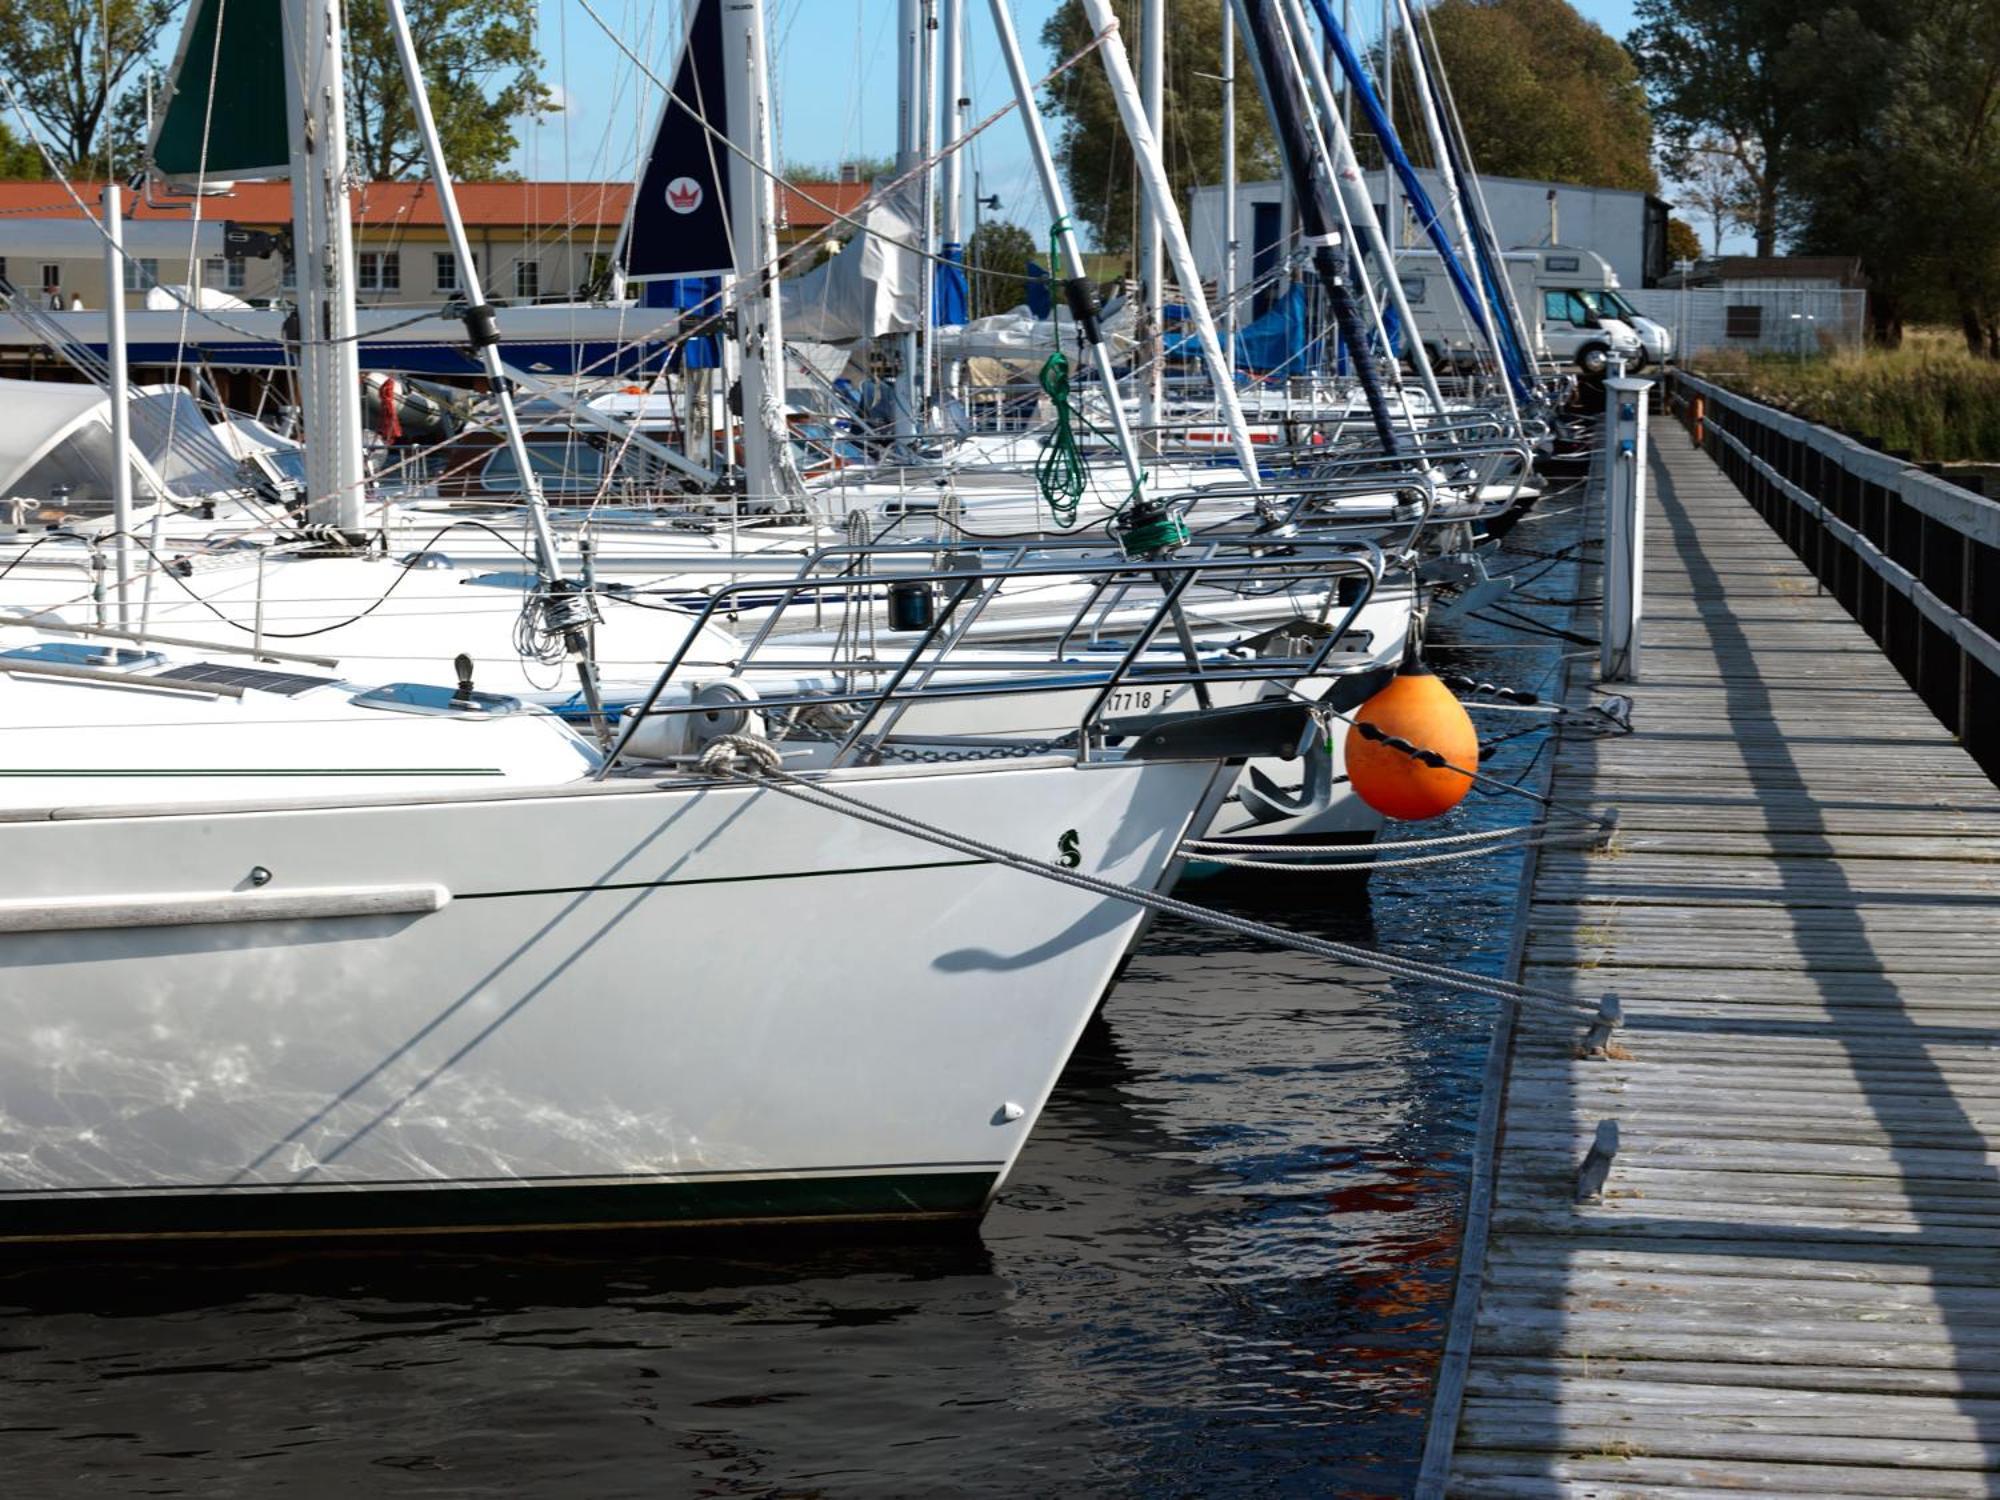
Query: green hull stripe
440,1210
656,885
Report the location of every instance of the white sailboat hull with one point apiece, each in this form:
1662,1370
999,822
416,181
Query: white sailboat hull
632,1004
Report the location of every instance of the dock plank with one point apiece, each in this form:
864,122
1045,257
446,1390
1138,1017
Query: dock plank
1790,1281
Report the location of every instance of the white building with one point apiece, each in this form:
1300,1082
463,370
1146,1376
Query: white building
1627,228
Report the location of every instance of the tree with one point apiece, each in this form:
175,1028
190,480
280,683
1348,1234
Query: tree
1714,181
482,72
1863,180
996,261
1682,242
69,59
1096,158
1541,92
1726,70
18,159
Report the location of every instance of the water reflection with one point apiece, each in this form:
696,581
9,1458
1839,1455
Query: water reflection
1222,1268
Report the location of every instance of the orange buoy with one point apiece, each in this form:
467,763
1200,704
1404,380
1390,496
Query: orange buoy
1426,773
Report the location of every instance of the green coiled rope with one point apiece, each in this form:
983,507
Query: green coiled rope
1059,471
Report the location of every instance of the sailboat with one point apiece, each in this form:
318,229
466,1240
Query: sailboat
294,953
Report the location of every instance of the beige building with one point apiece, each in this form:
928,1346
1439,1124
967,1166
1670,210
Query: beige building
534,241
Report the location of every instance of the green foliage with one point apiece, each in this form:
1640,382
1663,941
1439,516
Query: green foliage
482,73
1904,165
996,261
1930,398
866,169
1542,93
69,59
1091,146
18,159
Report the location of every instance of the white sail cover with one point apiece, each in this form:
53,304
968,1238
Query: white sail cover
1021,335
871,287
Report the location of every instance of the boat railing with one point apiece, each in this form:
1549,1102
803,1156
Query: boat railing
852,692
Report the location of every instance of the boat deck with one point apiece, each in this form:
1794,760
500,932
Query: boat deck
1790,1283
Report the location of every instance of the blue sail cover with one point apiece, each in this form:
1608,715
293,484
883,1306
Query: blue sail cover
949,303
1278,343
700,296
1039,293
680,213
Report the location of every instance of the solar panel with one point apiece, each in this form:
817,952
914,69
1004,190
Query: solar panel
286,684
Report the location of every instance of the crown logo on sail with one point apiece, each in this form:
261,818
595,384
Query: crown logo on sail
684,195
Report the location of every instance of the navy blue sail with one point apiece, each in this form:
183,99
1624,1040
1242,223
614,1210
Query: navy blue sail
679,224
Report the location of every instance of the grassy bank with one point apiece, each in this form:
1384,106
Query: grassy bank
1929,398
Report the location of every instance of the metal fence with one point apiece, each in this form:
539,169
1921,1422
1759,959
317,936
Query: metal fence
1914,558
1762,320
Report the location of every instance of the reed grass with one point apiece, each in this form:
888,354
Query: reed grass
1929,399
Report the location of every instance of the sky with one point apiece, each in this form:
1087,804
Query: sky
833,85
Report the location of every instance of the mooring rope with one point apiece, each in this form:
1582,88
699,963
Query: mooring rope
750,761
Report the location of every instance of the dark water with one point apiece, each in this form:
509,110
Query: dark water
1223,1267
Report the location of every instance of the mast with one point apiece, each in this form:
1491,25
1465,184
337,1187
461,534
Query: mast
1229,235
951,186
1152,308
928,237
1277,78
753,214
561,610
1167,216
1391,224
1447,166
1076,287
1354,198
909,151
121,415
323,253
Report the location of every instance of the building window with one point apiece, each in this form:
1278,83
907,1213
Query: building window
224,271
139,274
288,277
527,280
1743,321
379,271
446,279
52,275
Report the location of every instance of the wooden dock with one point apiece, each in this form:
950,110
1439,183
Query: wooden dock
1790,1284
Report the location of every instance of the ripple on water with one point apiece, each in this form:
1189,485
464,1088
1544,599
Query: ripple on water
1223,1267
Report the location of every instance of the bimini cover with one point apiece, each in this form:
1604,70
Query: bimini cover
56,445
872,286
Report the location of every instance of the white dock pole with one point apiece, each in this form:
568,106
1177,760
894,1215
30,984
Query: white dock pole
1624,526
121,414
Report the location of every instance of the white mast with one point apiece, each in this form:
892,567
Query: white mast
1229,237
909,151
951,187
121,415
1052,194
563,612
753,214
1391,212
926,265
1358,210
1152,309
323,252
1454,203
1167,214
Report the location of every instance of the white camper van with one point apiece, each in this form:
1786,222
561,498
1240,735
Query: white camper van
1568,298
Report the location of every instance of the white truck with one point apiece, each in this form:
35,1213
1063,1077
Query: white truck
1568,297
